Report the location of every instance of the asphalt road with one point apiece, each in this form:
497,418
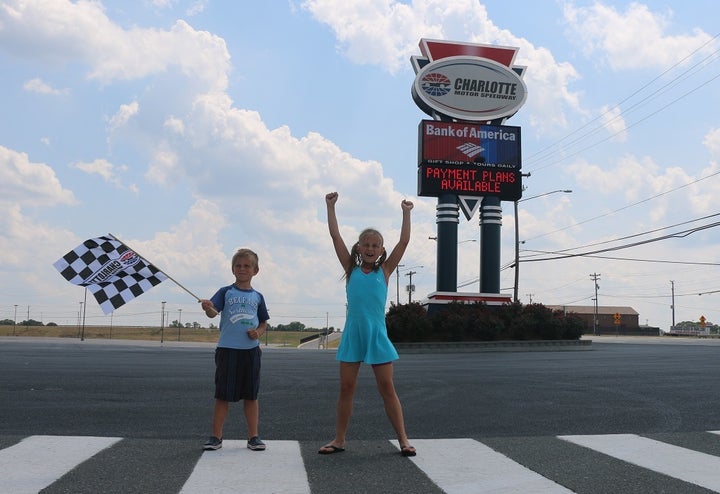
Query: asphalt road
155,395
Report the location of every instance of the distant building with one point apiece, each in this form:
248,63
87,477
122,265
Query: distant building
606,324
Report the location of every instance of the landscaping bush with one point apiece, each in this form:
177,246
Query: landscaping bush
409,323
453,324
479,322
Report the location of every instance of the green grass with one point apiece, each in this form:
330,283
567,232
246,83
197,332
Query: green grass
283,338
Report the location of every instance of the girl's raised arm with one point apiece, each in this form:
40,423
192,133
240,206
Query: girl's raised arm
393,259
340,248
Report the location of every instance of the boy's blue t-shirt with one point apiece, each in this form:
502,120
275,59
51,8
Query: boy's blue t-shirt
240,310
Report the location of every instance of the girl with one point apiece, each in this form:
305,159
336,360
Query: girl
364,339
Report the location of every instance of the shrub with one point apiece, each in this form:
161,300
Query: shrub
408,323
480,322
452,322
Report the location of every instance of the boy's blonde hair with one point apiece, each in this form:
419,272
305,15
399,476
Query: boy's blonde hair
245,253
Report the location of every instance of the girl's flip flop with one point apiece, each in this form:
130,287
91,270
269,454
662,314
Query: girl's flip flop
329,449
407,450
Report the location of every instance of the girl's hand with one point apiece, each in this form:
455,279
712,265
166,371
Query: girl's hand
407,205
331,198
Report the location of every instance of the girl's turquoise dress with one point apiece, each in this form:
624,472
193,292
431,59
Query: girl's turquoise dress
365,338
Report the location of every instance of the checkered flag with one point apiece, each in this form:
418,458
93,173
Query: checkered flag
112,272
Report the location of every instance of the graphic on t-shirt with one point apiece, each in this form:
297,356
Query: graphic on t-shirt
238,317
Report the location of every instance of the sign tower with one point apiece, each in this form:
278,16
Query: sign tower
467,157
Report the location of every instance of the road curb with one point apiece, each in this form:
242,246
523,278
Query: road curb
494,346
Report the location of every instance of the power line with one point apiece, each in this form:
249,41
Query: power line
562,255
625,207
547,152
641,234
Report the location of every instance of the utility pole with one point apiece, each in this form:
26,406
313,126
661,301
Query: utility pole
410,287
672,306
517,253
595,277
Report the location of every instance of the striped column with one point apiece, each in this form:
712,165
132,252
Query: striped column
447,219
490,227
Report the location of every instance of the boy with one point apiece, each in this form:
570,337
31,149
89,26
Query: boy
243,320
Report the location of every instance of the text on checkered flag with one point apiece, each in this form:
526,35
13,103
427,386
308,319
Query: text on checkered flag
112,272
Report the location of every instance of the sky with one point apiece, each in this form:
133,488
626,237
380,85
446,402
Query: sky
189,129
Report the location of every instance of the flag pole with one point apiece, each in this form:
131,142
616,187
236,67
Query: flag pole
163,272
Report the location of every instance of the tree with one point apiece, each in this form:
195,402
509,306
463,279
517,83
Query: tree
293,326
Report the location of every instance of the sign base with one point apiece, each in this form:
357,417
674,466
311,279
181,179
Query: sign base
436,300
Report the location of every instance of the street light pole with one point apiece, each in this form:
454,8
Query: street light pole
397,283
162,322
595,277
672,306
83,306
517,236
179,322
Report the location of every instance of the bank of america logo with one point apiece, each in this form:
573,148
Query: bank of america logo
470,150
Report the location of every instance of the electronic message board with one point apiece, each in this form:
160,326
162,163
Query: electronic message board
469,180
469,159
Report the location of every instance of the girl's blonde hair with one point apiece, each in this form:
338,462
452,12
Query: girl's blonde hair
355,259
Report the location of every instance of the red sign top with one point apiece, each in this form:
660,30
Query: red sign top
436,49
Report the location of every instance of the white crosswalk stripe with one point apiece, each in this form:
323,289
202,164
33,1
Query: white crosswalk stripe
455,466
459,466
38,461
684,464
234,465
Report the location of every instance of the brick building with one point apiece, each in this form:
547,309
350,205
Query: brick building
629,324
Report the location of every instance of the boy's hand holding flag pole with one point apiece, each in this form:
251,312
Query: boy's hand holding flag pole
112,271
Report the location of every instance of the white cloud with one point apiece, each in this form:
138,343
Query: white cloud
103,168
27,243
38,86
387,33
628,175
614,122
639,179
192,245
163,167
175,125
635,38
123,115
712,142
39,243
67,32
26,183
381,32
198,7
703,195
